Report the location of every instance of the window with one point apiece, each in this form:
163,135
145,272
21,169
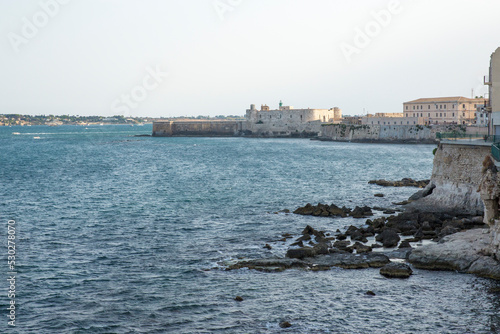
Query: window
436,114
290,116
413,107
413,122
429,106
407,122
378,122
444,114
464,105
464,114
269,116
475,106
429,115
421,114
300,117
394,123
440,114
406,107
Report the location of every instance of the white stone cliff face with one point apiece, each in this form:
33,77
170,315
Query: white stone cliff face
466,181
490,194
457,175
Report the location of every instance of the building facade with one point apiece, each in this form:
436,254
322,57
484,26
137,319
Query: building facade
444,110
391,119
493,81
374,120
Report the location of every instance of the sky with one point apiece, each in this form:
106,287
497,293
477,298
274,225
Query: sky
169,58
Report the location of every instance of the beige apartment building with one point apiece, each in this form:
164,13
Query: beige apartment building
444,110
392,119
493,81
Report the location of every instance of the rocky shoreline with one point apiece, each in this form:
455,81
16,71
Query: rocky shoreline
458,242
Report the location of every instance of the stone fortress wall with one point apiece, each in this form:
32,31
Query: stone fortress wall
197,128
287,121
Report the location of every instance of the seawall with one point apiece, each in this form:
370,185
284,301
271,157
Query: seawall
390,133
197,128
456,175
466,180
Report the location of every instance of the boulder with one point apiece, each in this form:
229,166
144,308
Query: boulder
361,212
358,236
360,248
405,244
300,253
341,244
396,270
285,324
388,238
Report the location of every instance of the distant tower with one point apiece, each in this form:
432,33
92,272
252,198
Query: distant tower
281,104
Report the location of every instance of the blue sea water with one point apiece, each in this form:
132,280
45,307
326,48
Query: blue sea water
124,234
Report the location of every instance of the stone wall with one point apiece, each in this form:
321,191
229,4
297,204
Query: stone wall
197,128
306,129
386,133
379,133
456,174
289,122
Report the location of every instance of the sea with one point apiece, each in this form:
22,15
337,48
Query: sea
116,233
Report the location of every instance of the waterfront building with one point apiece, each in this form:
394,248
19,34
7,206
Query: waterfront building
391,119
444,110
286,120
493,81
352,120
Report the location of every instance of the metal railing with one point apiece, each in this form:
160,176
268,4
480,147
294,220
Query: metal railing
495,151
467,136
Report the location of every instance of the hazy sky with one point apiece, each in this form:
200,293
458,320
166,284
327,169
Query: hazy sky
216,57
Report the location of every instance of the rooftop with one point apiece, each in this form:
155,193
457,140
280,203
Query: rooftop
446,99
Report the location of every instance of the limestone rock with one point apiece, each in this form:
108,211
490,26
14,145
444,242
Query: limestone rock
462,251
406,182
261,264
396,270
300,253
285,324
388,238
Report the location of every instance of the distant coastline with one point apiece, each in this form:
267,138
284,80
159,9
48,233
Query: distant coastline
56,120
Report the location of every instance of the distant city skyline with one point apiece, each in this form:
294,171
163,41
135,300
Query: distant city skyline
166,58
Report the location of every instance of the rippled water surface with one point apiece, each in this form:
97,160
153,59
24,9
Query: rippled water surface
124,234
